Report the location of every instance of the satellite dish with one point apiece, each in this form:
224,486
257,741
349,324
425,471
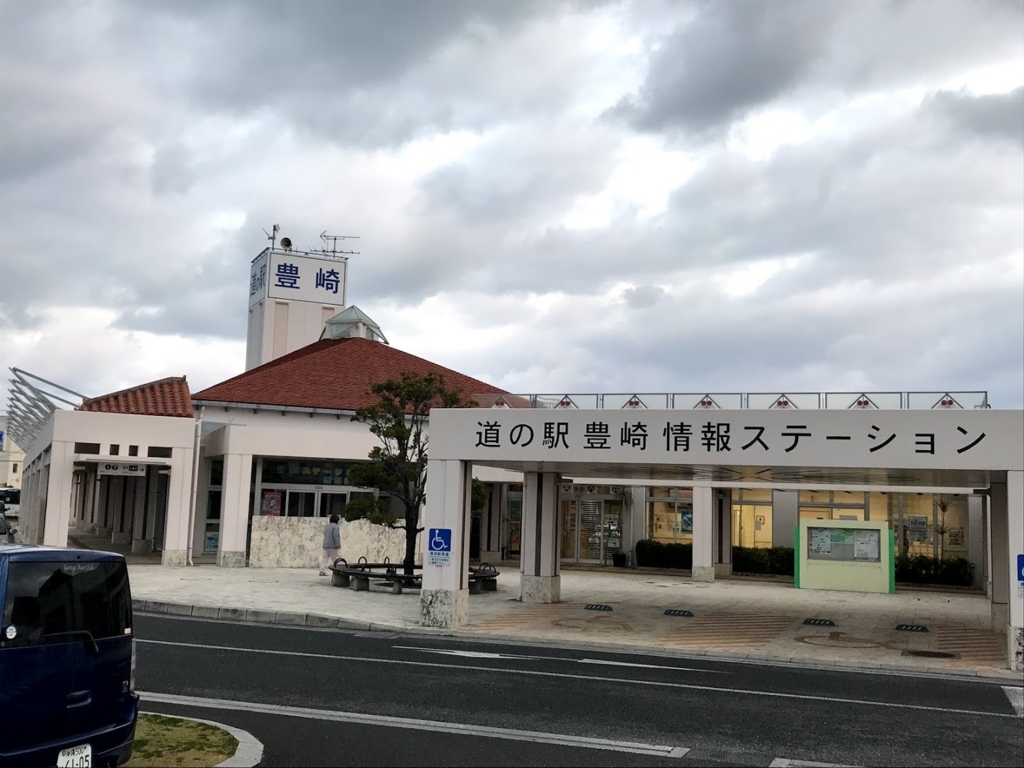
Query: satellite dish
286,243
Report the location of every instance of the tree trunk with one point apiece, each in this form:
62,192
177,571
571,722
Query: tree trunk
412,521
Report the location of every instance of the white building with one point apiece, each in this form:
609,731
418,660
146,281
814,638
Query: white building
156,468
12,458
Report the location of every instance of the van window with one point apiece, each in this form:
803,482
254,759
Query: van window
47,601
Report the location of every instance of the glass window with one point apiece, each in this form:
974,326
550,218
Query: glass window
756,494
217,472
816,497
301,504
305,472
213,505
58,602
87,448
115,449
159,452
14,468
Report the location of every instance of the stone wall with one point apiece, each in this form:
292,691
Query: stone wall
296,542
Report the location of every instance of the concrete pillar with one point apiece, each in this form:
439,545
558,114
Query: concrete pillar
1001,572
95,499
723,533
234,514
1014,570
785,517
976,537
540,579
703,535
58,494
179,491
141,544
444,599
490,527
107,501
122,533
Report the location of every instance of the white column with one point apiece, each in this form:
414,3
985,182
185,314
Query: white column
976,537
539,566
1001,573
490,526
444,599
108,500
1015,549
58,495
234,513
723,532
703,535
125,511
141,543
179,490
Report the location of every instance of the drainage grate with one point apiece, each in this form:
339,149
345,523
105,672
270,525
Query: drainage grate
677,612
911,628
931,654
820,622
596,607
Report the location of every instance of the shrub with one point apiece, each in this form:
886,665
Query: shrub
777,561
377,511
922,569
657,554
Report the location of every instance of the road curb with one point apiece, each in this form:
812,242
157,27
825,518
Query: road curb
320,621
248,753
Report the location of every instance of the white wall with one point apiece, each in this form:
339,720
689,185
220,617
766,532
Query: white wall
296,542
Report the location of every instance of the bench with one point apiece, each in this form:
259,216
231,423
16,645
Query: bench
358,576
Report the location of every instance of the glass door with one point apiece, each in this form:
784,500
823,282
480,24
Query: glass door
333,503
570,530
301,503
590,537
611,530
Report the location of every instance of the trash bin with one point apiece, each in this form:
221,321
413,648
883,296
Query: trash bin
619,559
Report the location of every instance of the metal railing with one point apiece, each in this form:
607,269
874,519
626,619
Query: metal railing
30,403
966,400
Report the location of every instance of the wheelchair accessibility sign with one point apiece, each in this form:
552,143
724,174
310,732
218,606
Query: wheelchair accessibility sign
439,546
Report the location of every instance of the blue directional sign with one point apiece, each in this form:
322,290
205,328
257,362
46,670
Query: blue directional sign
439,546
1020,567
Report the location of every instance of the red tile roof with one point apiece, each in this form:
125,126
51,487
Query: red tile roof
166,397
334,374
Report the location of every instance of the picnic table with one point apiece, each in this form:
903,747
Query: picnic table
358,576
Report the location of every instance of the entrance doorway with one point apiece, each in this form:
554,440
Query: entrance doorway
591,530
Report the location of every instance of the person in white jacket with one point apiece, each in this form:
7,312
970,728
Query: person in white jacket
332,545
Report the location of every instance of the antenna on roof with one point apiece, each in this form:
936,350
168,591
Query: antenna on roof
332,241
272,235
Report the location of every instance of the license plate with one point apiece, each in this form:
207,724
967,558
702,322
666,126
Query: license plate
75,757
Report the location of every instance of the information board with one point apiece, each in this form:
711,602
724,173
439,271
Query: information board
844,544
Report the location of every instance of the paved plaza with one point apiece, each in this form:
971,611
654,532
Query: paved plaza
734,618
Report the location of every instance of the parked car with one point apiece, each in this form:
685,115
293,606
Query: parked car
67,658
7,531
10,501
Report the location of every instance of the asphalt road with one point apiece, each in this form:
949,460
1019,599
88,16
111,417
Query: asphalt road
343,698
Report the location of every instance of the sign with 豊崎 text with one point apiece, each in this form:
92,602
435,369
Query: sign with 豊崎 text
283,275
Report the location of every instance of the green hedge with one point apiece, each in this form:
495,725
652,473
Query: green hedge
922,569
777,561
657,554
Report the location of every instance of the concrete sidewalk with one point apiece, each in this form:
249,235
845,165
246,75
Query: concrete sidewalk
731,619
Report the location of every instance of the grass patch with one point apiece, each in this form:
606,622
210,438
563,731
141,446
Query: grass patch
170,742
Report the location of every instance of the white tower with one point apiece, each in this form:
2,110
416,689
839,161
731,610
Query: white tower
292,295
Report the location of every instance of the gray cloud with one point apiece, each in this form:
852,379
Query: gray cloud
998,115
143,148
731,58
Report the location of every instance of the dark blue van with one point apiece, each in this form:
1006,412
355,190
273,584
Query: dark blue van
67,658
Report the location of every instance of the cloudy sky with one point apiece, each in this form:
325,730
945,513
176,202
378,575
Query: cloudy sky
551,196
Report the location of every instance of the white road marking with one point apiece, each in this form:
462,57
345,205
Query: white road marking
592,678
782,762
486,655
433,726
1016,697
